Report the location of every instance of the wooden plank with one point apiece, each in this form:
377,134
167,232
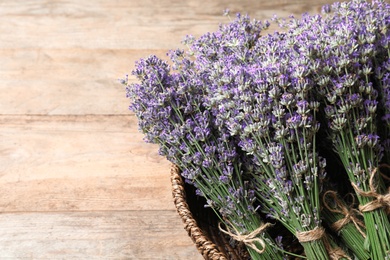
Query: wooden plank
70,163
95,235
66,81
118,24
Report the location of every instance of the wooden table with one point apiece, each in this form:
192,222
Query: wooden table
76,179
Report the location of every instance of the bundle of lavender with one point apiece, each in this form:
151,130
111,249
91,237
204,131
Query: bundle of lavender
171,112
350,47
244,115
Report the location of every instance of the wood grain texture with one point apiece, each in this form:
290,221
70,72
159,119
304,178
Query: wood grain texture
77,180
94,235
66,81
69,163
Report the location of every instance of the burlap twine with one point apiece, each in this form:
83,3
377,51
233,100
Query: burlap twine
379,200
307,236
248,239
349,214
318,233
338,253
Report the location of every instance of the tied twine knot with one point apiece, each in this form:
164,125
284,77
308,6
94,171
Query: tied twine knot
248,239
379,200
318,233
307,236
349,215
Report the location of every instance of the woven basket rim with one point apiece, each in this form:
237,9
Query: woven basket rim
204,244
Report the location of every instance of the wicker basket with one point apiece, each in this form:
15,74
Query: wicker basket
202,224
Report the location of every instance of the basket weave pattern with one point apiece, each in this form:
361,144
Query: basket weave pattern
200,224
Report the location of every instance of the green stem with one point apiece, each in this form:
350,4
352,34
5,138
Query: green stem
315,250
349,234
378,232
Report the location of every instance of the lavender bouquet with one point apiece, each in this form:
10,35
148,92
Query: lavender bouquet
268,106
170,110
350,44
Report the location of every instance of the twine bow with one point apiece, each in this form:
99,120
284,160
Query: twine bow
379,200
248,239
349,215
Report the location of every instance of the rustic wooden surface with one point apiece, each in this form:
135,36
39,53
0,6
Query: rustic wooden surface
76,179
